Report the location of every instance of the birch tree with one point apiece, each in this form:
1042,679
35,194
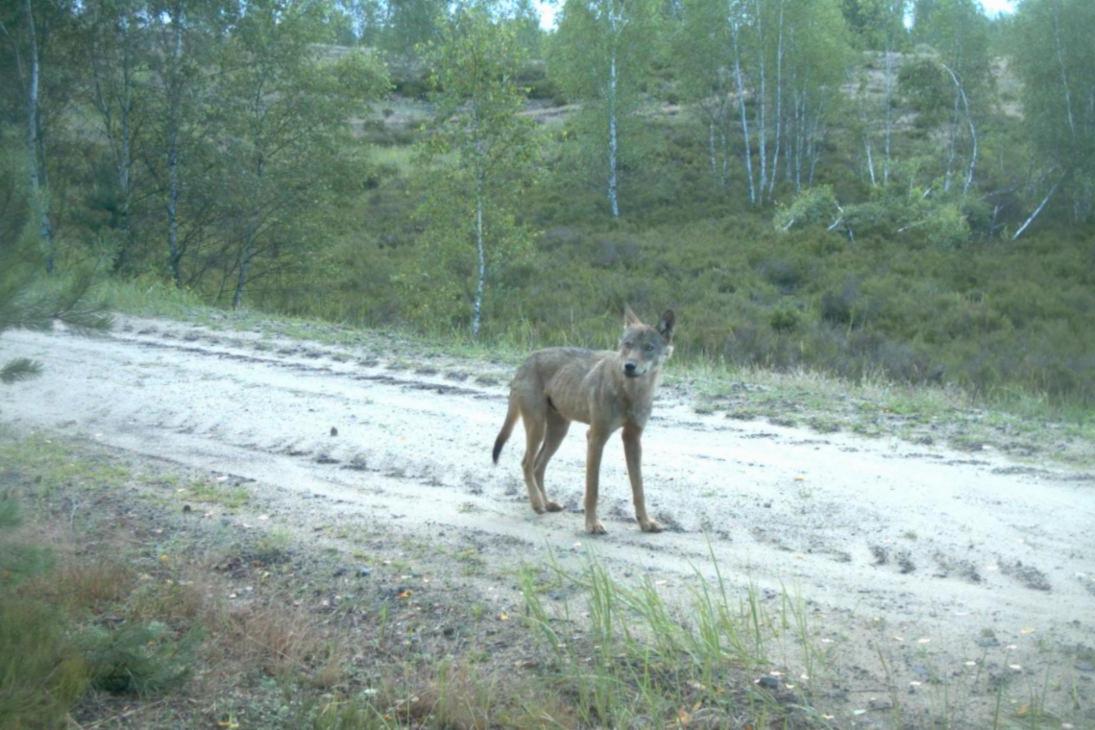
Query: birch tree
600,55
879,28
766,71
25,27
282,111
708,81
958,31
479,163
816,58
115,36
183,43
1055,58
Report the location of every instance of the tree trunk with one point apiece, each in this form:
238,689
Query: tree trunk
779,104
174,104
244,268
480,251
887,99
613,141
1037,210
762,106
1061,65
740,85
35,148
973,130
870,160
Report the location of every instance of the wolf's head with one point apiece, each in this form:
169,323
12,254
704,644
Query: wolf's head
644,348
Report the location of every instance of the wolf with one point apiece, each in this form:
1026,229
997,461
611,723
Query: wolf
606,390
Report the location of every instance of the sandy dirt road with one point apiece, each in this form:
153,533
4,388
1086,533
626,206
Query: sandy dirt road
924,557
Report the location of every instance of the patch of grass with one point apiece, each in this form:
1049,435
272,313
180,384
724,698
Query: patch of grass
151,296
644,662
42,673
230,496
46,464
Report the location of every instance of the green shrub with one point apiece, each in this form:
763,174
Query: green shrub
138,658
813,206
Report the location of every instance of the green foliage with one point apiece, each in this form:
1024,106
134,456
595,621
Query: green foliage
877,24
138,658
1055,59
601,55
286,147
959,32
478,164
42,673
813,206
31,300
18,562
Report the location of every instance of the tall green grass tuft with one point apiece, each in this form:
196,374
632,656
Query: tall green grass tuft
646,662
42,672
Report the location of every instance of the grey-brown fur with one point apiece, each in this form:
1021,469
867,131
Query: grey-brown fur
605,389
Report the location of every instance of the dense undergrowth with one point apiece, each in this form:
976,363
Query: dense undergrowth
989,317
877,296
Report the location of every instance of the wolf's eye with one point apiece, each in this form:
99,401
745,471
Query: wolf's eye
649,347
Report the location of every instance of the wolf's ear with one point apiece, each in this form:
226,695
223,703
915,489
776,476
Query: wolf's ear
665,325
630,318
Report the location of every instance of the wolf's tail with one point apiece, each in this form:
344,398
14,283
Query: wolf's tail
507,428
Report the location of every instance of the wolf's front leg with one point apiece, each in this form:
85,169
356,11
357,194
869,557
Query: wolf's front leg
595,446
633,450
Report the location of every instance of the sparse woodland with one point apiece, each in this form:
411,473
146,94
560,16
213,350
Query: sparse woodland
864,187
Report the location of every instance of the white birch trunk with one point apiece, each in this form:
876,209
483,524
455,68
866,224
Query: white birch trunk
779,105
1061,65
1037,210
887,131
740,85
973,130
870,161
480,250
613,141
762,105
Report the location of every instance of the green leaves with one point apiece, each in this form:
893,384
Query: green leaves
1054,57
477,165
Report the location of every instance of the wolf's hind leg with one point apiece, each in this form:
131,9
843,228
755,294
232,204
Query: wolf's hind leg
556,429
534,437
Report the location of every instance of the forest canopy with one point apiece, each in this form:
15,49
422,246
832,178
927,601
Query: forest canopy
858,186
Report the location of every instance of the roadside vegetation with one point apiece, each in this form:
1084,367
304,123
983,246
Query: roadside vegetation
139,594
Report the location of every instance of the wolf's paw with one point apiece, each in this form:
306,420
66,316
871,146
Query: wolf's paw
551,506
596,528
650,526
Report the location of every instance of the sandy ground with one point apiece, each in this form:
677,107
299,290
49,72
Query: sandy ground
917,563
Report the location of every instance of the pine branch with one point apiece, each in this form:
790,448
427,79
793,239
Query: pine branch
20,369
